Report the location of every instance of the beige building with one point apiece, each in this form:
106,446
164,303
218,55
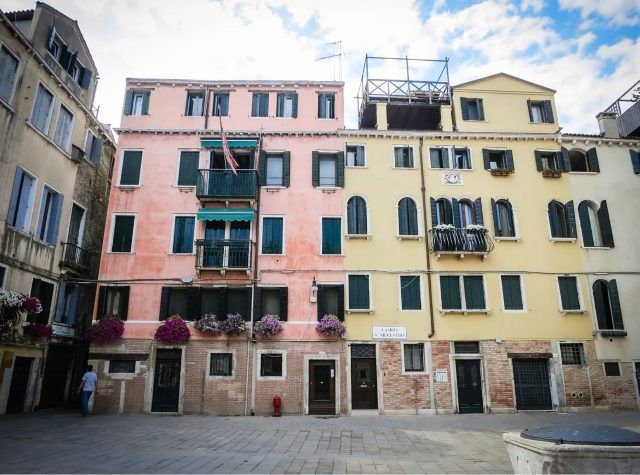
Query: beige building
55,159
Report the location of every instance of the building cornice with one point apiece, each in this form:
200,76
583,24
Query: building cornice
435,134
230,133
231,83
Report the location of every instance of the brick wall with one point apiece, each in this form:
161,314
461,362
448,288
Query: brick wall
441,358
620,390
401,391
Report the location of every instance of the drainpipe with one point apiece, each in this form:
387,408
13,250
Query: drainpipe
426,240
206,107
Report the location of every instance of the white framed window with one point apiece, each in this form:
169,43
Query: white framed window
272,365
22,199
42,109
123,231
220,364
272,230
359,293
330,235
64,129
569,294
138,103
195,103
49,216
512,293
410,292
356,156
463,293
9,65
403,156
328,170
413,358
358,218
183,233
188,164
327,106
275,169
130,168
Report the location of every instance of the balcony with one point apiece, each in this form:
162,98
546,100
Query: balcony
627,112
223,254
76,258
460,241
225,185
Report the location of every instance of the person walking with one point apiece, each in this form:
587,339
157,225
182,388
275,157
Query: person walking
87,387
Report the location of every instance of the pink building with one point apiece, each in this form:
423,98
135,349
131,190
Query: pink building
186,236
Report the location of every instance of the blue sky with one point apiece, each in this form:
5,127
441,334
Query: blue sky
587,50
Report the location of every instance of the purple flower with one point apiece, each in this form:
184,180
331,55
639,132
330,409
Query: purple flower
330,325
208,324
31,305
105,330
39,330
269,325
174,330
233,325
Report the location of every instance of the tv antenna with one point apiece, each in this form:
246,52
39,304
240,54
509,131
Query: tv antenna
337,56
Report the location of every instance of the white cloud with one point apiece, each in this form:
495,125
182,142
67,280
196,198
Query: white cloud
619,12
534,5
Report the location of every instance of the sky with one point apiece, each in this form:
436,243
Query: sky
587,50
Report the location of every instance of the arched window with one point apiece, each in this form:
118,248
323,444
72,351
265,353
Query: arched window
581,161
607,305
503,221
407,217
356,215
595,224
562,219
441,211
466,213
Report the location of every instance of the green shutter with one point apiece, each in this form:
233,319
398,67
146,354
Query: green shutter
434,213
102,300
331,236
554,220
145,102
295,104
548,112
569,293
188,169
264,105
457,223
509,159
131,164
571,219
592,160
128,102
511,291
257,303
410,292
477,211
284,304
529,108
605,225
321,298
340,169
262,168
279,104
464,106
450,292
474,292
583,213
565,164
538,155
164,303
616,310
485,159
340,290
635,161
255,105
286,168
480,109
193,303
315,168
496,221
359,292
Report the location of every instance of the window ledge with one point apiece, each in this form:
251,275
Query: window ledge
452,169
409,237
582,173
404,168
616,333
24,232
183,188
600,248
356,166
360,310
175,253
216,378
577,312
507,238
329,189
524,310
44,243
127,187
267,254
358,236
413,373
331,255
7,105
486,311
273,188
119,252
562,239
271,378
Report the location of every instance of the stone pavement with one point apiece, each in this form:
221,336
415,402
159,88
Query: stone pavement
63,442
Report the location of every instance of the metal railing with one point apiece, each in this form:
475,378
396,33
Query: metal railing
223,253
460,241
76,257
224,184
627,111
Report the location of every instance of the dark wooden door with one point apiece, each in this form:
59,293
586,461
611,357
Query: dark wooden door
322,387
469,386
364,391
19,384
166,384
56,374
532,385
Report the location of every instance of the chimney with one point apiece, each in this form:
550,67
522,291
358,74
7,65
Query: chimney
381,116
608,124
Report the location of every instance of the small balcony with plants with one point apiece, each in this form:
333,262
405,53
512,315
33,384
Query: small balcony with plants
445,239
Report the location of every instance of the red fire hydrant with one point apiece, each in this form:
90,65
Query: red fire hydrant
277,402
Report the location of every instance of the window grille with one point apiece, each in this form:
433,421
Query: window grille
572,353
466,347
363,351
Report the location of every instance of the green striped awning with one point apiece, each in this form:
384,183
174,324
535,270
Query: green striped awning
207,214
233,143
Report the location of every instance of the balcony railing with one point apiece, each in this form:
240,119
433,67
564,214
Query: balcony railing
75,257
460,241
232,254
224,184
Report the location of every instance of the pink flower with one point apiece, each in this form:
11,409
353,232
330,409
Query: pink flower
107,329
174,330
269,325
330,325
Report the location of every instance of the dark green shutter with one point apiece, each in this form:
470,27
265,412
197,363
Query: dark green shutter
434,156
257,303
255,105
284,303
410,292
85,78
496,222
635,161
465,108
286,169
122,233
295,104
474,292
511,292
509,159
102,301
538,155
264,105
605,225
65,57
188,169
321,301
571,219
279,104
485,159
569,293
598,287
434,213
450,292
480,109
322,106
222,303
340,169
456,213
165,295
131,165
340,315
554,219
128,102
592,160
315,168
359,292
530,112
145,102
262,168
583,213
616,310
565,164
548,112
477,211
193,303
124,305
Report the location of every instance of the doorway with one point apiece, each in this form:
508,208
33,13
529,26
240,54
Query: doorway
364,391
322,387
532,384
469,384
19,384
166,382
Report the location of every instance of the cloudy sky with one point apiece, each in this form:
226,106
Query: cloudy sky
588,50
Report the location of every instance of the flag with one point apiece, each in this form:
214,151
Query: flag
227,153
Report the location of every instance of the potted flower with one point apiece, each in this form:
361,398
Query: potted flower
12,304
173,330
330,325
444,227
107,329
476,228
39,331
552,173
209,325
234,325
269,325
501,171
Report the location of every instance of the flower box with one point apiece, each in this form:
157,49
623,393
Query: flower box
501,171
105,330
173,331
269,325
208,324
551,173
330,325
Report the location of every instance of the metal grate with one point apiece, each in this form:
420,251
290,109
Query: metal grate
572,353
414,357
122,366
531,381
220,364
611,368
466,347
363,351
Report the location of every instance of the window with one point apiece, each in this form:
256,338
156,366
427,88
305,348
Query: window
331,236
275,170
221,301
611,368
220,364
260,105
8,72
272,235
403,157
635,161
3,276
195,103
410,298
439,157
226,244
357,216
512,292
572,353
407,217
540,112
607,305
355,156
271,364
441,211
76,230
93,148
466,213
42,107
498,159
569,294
187,167
137,102
122,366
562,220
469,297
461,159
326,106
130,168
328,170
359,292
182,302
287,104
580,161
64,129
595,224
472,108
49,216
43,290
503,220
413,357
331,301
67,304
221,104
22,196
183,234
466,347
271,301
113,300
122,233
549,161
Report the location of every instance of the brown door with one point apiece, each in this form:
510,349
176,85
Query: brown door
364,392
322,387
19,384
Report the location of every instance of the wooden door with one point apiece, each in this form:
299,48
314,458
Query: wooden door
469,384
322,387
364,391
166,384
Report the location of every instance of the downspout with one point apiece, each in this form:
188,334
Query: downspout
206,107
